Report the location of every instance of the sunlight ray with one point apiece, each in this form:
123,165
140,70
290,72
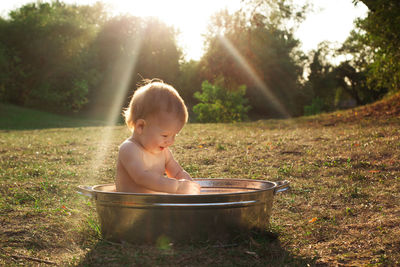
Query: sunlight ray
252,74
120,78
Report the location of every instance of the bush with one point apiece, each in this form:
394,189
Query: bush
220,105
316,107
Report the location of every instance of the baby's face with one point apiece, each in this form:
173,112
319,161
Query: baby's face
159,132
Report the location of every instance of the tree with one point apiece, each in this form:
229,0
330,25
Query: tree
126,49
159,55
255,49
332,86
382,34
47,45
189,81
321,82
354,83
63,57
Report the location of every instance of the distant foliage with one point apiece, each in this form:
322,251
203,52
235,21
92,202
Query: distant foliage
68,58
255,47
340,86
145,47
316,107
75,58
381,36
189,81
47,51
4,65
220,105
321,82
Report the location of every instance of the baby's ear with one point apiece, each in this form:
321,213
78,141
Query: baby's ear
139,126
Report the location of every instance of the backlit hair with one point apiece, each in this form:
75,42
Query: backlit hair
152,99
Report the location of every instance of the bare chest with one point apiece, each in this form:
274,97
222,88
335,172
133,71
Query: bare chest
154,162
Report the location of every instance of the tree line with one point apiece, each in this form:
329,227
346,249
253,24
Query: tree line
76,58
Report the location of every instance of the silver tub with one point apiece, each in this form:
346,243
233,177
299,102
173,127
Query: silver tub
225,209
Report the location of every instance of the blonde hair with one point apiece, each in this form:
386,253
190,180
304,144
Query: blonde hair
153,98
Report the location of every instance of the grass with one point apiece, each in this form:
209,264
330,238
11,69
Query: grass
18,118
342,208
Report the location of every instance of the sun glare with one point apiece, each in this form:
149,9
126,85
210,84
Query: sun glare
190,18
121,76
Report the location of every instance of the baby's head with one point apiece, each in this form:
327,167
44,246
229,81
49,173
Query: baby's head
153,100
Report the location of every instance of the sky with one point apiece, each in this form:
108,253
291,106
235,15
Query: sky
330,20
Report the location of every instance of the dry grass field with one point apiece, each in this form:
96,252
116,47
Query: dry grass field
342,209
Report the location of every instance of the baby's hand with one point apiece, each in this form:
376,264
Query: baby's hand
188,187
184,175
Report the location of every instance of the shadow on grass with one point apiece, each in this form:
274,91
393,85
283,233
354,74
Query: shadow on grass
20,118
256,249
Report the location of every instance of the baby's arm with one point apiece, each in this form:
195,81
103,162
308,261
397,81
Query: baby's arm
173,169
132,161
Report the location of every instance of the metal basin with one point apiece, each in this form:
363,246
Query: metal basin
225,209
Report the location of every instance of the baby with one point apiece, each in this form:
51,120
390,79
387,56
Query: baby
156,114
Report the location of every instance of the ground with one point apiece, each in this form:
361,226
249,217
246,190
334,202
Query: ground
342,208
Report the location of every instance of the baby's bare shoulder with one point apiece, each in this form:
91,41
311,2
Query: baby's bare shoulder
129,147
